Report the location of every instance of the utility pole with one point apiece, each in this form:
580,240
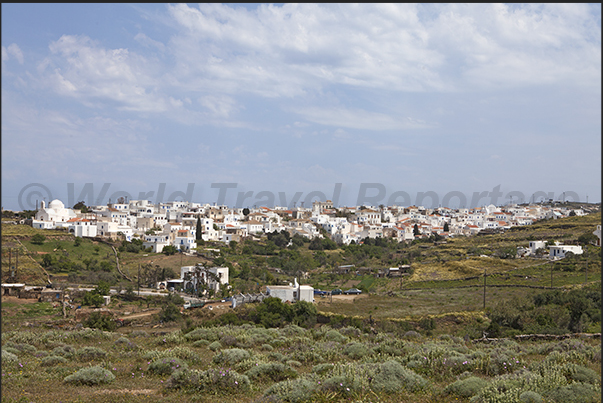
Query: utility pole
138,279
586,270
484,288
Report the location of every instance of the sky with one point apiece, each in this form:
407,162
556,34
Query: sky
261,105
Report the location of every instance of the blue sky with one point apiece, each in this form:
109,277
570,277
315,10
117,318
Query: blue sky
283,99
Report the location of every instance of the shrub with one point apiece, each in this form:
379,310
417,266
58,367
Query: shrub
228,340
212,381
231,356
321,369
334,335
122,340
90,353
466,387
392,377
267,347
166,366
574,393
356,350
97,320
530,397
294,391
11,350
201,343
64,351
8,357
22,347
274,371
52,360
90,376
139,333
184,353
215,346
293,363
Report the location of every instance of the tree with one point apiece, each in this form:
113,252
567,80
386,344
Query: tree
415,230
169,250
81,206
199,233
245,211
446,227
77,241
38,239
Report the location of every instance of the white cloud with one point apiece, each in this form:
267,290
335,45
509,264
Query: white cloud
12,50
358,119
85,70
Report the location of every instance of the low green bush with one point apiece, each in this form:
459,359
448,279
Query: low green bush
393,376
215,346
52,360
64,351
274,371
334,335
218,381
530,397
166,366
574,393
231,356
201,343
8,357
293,391
356,350
90,353
466,387
90,376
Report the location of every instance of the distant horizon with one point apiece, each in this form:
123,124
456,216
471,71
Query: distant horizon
369,194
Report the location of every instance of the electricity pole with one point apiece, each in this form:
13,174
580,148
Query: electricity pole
586,270
484,288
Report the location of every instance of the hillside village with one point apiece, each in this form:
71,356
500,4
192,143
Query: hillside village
176,223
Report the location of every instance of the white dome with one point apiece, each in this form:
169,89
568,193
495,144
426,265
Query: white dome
56,204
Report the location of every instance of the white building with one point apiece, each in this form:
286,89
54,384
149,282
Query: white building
52,216
194,275
559,251
82,227
292,292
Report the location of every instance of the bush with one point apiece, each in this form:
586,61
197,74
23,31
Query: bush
294,391
91,353
38,239
356,350
530,397
166,366
274,371
231,356
466,387
212,381
170,313
392,377
201,343
215,346
8,357
64,351
90,376
574,393
334,335
52,360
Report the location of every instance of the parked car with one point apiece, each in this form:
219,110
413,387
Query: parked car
337,291
320,292
353,291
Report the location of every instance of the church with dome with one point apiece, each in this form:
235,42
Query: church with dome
55,215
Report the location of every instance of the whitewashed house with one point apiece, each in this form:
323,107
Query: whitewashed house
292,292
559,251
